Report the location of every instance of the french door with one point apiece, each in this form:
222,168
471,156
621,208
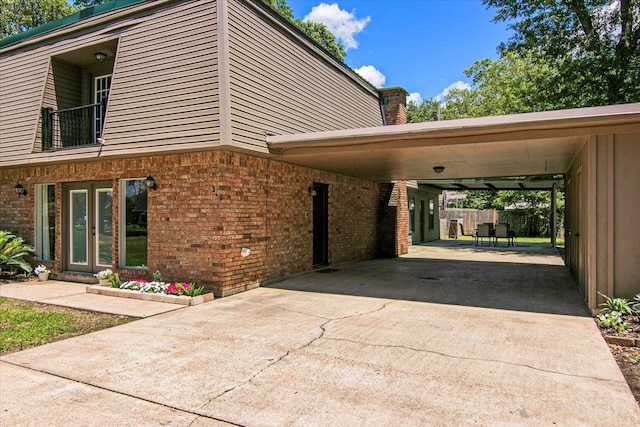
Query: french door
88,226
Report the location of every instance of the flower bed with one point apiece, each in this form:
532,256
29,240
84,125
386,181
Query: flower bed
185,293
157,287
150,296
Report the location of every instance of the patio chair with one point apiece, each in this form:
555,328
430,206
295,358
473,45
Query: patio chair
463,232
502,232
483,231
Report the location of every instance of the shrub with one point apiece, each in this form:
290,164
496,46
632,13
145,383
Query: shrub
635,305
612,320
12,253
619,305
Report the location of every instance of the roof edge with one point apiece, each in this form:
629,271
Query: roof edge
556,118
68,20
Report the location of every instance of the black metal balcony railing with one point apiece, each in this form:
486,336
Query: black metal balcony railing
72,127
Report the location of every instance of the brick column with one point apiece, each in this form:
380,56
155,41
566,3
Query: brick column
393,210
393,220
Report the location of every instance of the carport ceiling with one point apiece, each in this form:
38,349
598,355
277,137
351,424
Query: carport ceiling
516,145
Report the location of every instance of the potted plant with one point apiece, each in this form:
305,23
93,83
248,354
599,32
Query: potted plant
42,272
104,277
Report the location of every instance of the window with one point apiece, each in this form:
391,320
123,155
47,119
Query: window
133,223
100,96
412,214
45,222
432,219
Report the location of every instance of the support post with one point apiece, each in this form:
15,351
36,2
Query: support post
554,215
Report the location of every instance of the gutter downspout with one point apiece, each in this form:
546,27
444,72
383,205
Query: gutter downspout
382,101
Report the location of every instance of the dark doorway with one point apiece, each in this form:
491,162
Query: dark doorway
320,224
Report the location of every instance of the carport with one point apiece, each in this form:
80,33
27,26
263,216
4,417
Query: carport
596,149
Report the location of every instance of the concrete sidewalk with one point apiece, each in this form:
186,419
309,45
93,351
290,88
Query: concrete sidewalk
435,338
74,295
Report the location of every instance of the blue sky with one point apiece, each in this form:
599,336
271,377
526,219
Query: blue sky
422,45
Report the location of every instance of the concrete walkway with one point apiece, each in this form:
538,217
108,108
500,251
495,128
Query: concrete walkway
443,336
74,295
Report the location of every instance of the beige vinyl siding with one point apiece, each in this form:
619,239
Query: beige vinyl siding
279,85
164,91
21,87
64,92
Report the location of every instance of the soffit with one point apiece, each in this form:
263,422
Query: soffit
516,145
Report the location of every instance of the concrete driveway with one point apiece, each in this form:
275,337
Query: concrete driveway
444,336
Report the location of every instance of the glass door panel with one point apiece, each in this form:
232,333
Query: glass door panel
103,226
78,242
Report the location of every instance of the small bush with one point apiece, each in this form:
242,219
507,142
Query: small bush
635,305
619,305
611,321
12,253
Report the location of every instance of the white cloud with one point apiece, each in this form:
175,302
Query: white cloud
414,97
343,24
457,85
372,75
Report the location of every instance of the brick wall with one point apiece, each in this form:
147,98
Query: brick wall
210,205
393,225
395,109
393,230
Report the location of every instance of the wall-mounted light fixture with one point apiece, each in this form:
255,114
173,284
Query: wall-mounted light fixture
438,169
20,190
150,183
312,191
100,56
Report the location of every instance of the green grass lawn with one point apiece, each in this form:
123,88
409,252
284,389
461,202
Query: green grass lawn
25,324
559,242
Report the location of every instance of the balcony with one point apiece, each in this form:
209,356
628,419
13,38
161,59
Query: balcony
73,127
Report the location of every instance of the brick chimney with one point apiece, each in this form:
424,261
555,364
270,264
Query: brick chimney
394,102
393,210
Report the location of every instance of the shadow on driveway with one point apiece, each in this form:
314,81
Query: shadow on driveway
532,279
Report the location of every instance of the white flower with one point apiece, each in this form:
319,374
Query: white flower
41,269
104,274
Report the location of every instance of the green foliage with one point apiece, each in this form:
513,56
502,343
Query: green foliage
12,253
427,111
318,32
611,321
321,35
190,291
619,305
516,83
114,280
26,324
157,276
592,45
283,7
635,305
17,16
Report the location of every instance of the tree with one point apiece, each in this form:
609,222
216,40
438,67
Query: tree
594,45
17,16
318,32
321,35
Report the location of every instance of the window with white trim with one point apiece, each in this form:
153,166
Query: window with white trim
45,221
133,223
